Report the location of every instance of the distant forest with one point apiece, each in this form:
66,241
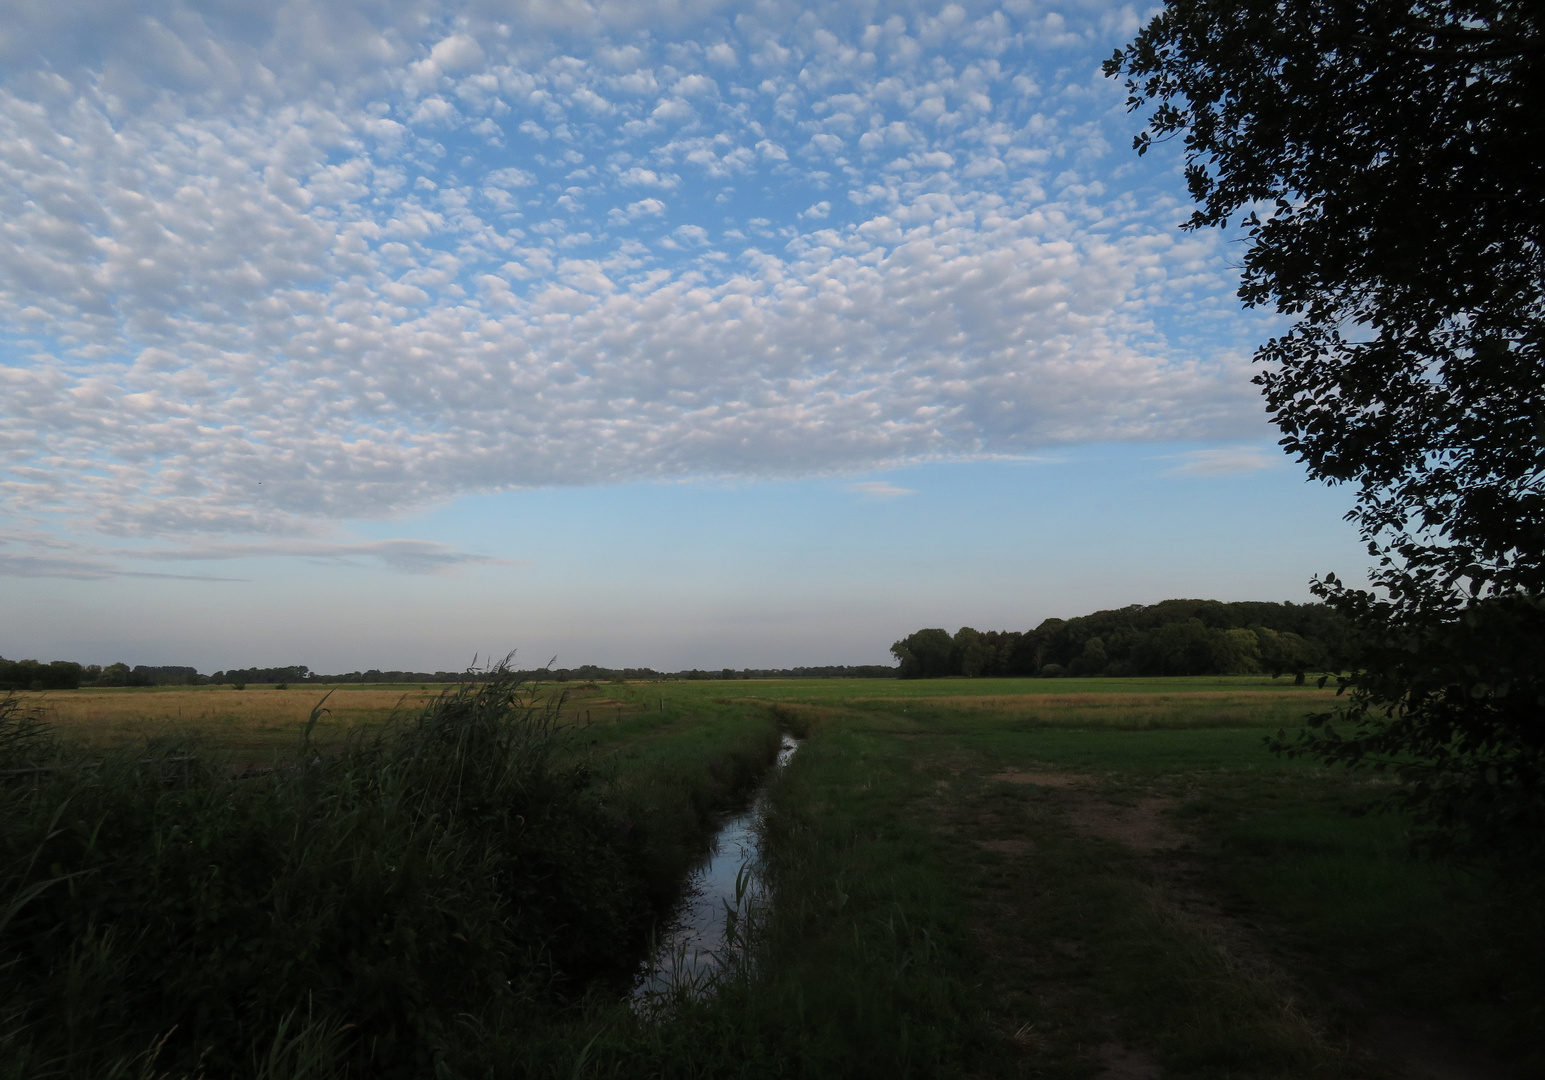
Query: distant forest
583,673
1175,637
67,675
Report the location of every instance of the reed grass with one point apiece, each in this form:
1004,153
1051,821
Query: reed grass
346,912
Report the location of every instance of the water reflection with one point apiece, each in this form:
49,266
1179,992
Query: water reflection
721,887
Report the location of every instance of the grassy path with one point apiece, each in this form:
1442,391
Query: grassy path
1101,959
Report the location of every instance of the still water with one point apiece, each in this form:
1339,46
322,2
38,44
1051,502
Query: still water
726,881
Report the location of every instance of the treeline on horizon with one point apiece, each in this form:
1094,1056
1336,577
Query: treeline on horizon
583,673
68,675
1174,637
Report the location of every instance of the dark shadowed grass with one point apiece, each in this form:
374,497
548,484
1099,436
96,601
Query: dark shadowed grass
1459,944
1350,927
350,909
857,966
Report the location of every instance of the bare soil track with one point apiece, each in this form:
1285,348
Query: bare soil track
1054,979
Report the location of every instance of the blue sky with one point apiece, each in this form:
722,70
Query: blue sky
680,334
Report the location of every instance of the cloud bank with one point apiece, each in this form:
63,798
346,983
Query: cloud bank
264,271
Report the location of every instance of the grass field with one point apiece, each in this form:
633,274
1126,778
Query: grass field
1018,878
1148,892
256,720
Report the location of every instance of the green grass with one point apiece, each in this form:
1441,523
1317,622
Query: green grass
1459,944
1347,924
860,965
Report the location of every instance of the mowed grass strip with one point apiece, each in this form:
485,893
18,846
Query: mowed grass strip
1092,965
1127,711
842,693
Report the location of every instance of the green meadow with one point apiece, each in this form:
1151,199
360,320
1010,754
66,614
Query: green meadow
977,878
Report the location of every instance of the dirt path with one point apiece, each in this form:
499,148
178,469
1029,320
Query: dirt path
1143,826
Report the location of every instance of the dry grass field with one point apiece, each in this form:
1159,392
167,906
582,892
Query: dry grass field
256,722
260,721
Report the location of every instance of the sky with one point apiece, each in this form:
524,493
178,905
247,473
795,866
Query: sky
390,333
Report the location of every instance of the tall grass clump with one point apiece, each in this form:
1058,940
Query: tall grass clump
348,912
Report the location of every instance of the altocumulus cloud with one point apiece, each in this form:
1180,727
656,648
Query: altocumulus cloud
320,260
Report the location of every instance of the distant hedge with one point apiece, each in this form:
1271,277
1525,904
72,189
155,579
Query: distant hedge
1175,637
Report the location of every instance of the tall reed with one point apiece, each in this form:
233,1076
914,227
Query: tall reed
346,911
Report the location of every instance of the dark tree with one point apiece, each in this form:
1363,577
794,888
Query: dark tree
1385,160
31,675
926,654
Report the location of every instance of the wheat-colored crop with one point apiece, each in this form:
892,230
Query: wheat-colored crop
248,719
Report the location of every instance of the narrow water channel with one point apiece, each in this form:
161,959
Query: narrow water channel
726,881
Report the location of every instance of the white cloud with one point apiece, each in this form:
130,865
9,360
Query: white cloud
1226,461
641,177
46,556
252,284
689,86
592,102
879,489
643,208
456,54
434,110
81,568
406,556
510,177
673,110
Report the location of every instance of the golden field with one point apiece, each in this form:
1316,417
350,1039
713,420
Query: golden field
257,720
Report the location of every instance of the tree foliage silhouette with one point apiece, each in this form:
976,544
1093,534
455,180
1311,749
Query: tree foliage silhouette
1384,159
